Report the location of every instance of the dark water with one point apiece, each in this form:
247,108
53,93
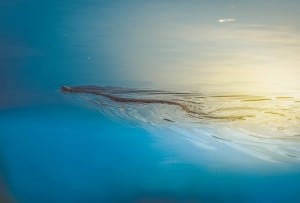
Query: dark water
57,147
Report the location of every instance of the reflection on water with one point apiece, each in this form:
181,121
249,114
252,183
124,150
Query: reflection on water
232,66
266,127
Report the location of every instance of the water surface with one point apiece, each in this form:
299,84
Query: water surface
225,129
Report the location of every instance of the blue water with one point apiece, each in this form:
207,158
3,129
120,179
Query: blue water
66,153
56,148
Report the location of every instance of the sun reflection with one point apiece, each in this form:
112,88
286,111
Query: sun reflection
259,125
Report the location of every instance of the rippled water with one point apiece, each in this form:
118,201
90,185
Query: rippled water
264,127
209,112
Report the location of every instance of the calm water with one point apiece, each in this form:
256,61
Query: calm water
223,127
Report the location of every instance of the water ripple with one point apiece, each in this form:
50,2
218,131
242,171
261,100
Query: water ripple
264,127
